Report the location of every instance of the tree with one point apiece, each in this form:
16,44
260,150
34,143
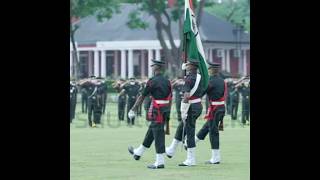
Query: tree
233,11
164,18
82,8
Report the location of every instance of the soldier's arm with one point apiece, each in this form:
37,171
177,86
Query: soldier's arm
186,97
146,92
138,102
123,91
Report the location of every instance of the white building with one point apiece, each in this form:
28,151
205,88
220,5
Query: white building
112,49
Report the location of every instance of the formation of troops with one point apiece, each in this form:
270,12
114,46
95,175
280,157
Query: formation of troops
156,95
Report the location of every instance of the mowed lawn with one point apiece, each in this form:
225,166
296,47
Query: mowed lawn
101,153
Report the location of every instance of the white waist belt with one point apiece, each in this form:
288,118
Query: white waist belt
162,101
217,103
194,101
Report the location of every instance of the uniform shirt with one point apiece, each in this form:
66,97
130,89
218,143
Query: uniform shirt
245,92
190,81
178,88
158,87
215,89
132,90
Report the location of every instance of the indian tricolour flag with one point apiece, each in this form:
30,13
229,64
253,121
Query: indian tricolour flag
193,45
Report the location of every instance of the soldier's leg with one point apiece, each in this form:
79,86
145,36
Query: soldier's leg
193,113
104,103
236,111
214,138
178,105
86,105
120,110
148,139
97,113
202,133
243,120
232,111
128,109
90,112
82,104
159,142
177,140
131,105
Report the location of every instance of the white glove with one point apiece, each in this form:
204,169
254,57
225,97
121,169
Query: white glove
184,66
131,114
184,110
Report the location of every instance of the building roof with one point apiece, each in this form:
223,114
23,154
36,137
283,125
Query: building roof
212,29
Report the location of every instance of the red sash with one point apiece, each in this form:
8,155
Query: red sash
212,108
159,117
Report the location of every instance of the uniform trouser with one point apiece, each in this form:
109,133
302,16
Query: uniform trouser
228,104
234,110
245,110
94,109
190,127
139,110
211,127
72,110
84,104
156,132
121,109
178,105
104,103
129,106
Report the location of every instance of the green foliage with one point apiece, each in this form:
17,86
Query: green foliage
234,12
135,21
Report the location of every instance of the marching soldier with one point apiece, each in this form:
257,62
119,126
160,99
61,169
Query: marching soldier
131,89
234,102
217,91
191,109
177,86
104,93
139,112
73,100
245,92
121,99
147,99
95,101
159,88
84,100
228,102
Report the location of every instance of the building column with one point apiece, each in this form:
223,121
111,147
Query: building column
143,63
245,62
240,63
96,63
71,63
103,64
150,57
116,63
130,63
90,63
228,60
123,64
158,54
223,61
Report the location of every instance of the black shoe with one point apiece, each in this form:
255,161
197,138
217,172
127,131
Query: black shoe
130,149
182,164
169,156
152,166
209,162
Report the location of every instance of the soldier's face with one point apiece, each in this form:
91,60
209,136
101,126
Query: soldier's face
155,67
